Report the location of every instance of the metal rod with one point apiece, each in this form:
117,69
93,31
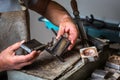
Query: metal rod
81,29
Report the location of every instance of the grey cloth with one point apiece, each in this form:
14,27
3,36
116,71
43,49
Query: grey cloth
13,23
9,5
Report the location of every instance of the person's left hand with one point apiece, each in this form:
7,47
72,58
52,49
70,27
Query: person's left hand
69,27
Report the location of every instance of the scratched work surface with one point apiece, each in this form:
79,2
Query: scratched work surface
49,67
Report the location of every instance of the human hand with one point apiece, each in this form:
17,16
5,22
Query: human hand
69,27
9,61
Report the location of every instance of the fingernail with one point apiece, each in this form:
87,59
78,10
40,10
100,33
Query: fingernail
38,51
57,37
69,48
22,41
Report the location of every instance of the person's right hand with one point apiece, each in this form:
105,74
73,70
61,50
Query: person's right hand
9,61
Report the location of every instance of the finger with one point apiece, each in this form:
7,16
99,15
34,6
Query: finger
73,41
70,47
26,58
16,45
61,31
20,65
72,37
72,44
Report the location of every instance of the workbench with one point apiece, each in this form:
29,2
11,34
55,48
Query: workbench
48,67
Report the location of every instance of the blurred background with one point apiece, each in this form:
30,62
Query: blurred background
106,10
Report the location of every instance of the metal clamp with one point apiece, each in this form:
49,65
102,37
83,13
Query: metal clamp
89,54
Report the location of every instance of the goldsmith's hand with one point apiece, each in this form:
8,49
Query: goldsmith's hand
69,27
9,61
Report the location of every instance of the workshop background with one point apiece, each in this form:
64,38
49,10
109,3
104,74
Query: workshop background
106,10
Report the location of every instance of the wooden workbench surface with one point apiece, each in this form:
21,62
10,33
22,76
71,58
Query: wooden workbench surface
49,67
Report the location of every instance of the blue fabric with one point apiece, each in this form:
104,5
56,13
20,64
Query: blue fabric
9,5
49,25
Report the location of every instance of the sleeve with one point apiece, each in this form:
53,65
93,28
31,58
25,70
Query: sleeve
39,6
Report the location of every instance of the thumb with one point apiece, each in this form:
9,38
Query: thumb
16,45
